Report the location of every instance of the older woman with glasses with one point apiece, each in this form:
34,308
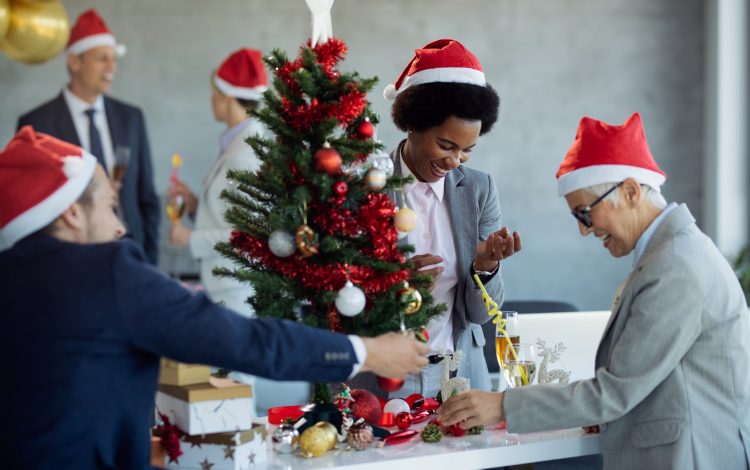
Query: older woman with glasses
671,387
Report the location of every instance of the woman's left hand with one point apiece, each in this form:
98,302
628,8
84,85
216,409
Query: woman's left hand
498,246
472,408
179,235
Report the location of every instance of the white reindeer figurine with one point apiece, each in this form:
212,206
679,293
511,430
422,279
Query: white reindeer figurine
448,386
551,355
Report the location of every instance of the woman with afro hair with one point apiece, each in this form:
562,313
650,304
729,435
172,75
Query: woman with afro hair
443,103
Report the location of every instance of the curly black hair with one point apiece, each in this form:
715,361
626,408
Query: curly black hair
421,107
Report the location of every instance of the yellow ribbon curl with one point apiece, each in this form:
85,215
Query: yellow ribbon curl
493,310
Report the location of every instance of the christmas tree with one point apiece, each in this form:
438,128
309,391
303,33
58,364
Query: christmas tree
315,229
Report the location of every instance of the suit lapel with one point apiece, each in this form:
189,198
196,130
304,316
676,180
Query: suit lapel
118,130
463,219
66,130
675,221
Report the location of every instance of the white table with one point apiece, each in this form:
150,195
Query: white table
493,448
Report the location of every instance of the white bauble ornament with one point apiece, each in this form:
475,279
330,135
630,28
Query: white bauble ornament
396,406
350,300
375,179
281,243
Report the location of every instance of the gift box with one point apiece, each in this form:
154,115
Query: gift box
219,405
224,451
177,373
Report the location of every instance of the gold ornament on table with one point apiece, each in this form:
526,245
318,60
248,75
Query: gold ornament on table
318,439
411,297
36,32
306,241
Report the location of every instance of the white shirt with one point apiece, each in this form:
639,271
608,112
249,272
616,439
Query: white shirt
642,243
77,108
434,235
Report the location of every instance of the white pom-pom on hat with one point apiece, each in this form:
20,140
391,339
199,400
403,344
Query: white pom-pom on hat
73,166
390,92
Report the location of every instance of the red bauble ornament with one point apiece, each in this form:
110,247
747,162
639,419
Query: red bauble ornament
340,188
365,129
390,385
455,430
413,398
422,335
403,420
327,160
366,406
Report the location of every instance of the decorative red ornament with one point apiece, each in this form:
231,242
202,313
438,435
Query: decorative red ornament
422,335
455,430
389,384
365,129
170,437
328,160
386,420
420,417
340,188
403,420
411,399
399,437
428,404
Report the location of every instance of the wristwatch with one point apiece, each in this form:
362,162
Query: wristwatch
484,274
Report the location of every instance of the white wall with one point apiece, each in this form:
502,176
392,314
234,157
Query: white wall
552,61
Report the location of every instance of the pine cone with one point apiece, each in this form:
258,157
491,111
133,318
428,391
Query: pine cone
431,433
360,436
475,430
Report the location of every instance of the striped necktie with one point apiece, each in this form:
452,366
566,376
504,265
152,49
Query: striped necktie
95,140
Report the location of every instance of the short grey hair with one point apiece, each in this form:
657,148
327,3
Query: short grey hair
653,196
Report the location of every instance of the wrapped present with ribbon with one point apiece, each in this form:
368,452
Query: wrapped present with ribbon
176,373
239,450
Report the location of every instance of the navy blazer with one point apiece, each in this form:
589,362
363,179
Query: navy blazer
81,332
139,204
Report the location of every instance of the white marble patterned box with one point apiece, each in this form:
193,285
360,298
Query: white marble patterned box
199,409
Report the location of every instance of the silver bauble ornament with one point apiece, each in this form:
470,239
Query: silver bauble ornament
350,300
285,439
281,243
381,161
375,179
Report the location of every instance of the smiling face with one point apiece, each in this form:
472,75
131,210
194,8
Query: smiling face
431,154
620,227
92,72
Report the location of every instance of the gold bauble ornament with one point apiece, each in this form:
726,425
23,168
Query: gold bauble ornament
405,220
375,179
332,433
316,440
411,297
36,32
306,241
4,17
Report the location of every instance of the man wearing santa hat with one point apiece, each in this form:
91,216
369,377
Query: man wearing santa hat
85,320
236,86
113,131
671,387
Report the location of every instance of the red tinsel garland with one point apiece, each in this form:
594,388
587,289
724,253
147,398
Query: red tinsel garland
170,437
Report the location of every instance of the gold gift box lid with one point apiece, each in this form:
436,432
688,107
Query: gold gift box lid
214,389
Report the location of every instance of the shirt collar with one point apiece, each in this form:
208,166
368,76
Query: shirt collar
642,243
78,106
438,187
228,136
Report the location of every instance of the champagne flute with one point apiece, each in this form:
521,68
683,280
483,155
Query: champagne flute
509,323
175,202
520,364
122,160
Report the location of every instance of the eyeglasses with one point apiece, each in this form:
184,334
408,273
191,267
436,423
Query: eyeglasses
584,215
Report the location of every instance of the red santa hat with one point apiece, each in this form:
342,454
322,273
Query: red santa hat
604,153
40,177
91,31
444,60
242,75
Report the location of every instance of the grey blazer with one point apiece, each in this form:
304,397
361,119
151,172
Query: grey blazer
474,209
672,381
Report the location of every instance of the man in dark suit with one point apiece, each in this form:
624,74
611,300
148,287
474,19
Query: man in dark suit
85,319
113,131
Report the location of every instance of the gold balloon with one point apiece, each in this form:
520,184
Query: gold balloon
36,32
318,439
4,17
